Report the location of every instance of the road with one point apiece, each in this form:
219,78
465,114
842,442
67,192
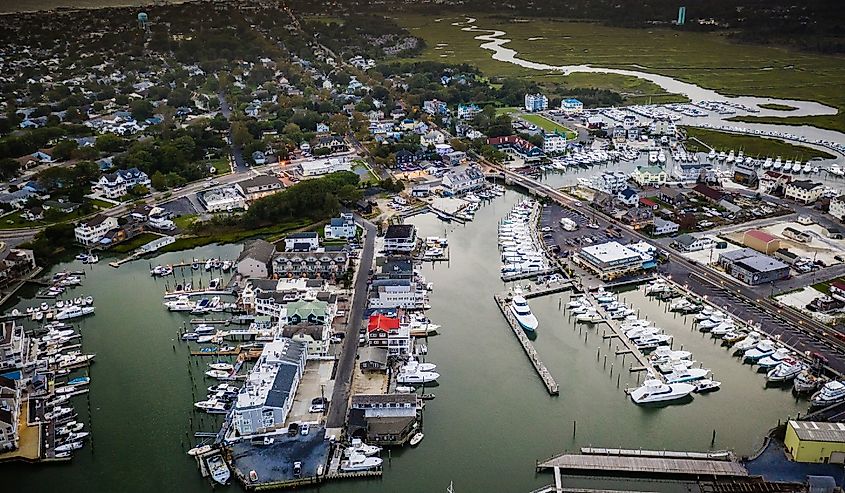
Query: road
237,154
346,364
794,327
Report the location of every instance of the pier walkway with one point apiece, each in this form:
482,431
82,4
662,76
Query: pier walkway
639,465
542,371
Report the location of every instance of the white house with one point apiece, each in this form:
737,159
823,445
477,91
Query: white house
468,111
319,167
837,207
464,179
804,191
432,139
117,184
628,196
664,227
342,227
554,143
265,400
397,293
690,243
536,102
303,242
650,175
226,198
93,230
400,238
571,106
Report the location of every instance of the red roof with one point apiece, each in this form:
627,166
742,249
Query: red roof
647,202
382,322
760,235
839,285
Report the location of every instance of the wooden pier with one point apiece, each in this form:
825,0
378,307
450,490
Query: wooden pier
557,288
541,369
640,465
528,275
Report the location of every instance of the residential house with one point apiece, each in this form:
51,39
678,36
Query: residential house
117,184
468,111
320,264
311,311
536,102
518,145
372,358
226,198
10,404
397,293
673,196
638,217
334,143
256,259
388,333
650,176
260,186
462,180
663,227
804,191
404,157
690,243
435,107
628,196
837,207
454,158
342,227
709,193
90,232
400,238
432,139
305,241
14,346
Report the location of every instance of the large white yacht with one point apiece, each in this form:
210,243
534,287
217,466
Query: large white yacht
654,390
522,312
832,393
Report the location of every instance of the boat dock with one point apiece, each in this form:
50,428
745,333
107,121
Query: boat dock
529,275
542,371
557,288
679,465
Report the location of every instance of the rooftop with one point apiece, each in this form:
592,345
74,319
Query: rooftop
399,231
818,431
760,235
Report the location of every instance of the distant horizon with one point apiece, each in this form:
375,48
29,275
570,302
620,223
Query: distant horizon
20,6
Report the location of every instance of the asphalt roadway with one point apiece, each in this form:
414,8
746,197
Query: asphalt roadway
346,363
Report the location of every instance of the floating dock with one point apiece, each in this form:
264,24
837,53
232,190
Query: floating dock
542,371
651,465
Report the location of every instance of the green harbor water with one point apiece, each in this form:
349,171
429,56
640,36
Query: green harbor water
491,420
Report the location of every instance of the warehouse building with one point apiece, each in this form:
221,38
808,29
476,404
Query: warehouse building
814,441
761,241
611,260
752,267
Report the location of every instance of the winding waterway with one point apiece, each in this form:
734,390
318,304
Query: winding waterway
492,417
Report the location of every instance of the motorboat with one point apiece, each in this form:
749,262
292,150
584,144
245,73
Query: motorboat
522,312
417,377
204,329
590,316
641,331
74,312
68,447
577,302
733,336
221,366
747,343
413,365
722,329
404,389
360,462
760,350
661,355
212,406
653,341
604,298
190,336
681,374
653,391
219,470
711,155
785,370
806,381
669,366
218,374
706,385
775,358
359,447
201,450
416,439
181,304
831,393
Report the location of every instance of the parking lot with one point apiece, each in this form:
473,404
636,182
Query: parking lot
588,233
272,462
317,374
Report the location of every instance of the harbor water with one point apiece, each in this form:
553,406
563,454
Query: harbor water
492,417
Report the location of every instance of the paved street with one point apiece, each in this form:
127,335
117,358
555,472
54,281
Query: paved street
346,364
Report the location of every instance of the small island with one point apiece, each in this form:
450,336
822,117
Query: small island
777,107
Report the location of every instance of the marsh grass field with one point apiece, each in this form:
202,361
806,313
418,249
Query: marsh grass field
751,145
709,60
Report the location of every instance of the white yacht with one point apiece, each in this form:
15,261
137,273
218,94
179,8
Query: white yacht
359,462
590,316
760,350
417,377
361,448
681,374
415,366
661,355
767,163
707,385
832,393
653,341
778,163
181,304
711,155
522,312
731,157
74,312
786,370
836,170
654,390
219,470
775,358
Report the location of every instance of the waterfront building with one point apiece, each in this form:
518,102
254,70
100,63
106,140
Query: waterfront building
804,191
650,176
265,400
517,145
752,267
319,167
342,227
400,238
309,322
90,232
397,293
554,143
260,186
310,311
815,441
536,102
324,264
386,419
611,260
761,241
462,180
571,106
388,333
10,404
14,346
837,207
225,198
256,259
305,241
15,263
372,358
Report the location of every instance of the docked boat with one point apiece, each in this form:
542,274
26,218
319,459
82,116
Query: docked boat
775,358
201,450
682,374
417,377
181,304
522,312
416,439
653,341
219,470
221,366
760,350
360,462
654,391
661,355
415,366
74,312
806,381
706,385
359,447
831,393
217,374
212,406
785,371
68,447
590,316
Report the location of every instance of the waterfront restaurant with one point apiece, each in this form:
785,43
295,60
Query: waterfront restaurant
610,260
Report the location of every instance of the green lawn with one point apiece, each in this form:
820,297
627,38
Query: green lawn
101,204
188,242
707,59
134,243
221,166
507,110
751,145
360,168
549,125
184,222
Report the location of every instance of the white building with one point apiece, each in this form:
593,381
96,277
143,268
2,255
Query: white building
571,106
804,191
397,293
536,102
664,227
225,198
463,180
610,260
256,260
554,143
468,111
432,139
650,176
342,227
117,184
690,243
93,230
319,167
303,242
400,238
10,403
837,207
266,398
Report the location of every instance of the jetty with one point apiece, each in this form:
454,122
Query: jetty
528,347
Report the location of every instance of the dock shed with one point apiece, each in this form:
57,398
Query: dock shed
815,441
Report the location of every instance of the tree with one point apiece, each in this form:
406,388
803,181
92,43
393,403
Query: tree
339,124
9,168
141,109
64,150
158,181
240,134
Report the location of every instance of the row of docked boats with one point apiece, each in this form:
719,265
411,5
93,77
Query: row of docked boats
519,248
88,258
414,372
220,397
202,306
60,310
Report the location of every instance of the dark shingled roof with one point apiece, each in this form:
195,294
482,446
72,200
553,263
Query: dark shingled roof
399,231
282,386
259,250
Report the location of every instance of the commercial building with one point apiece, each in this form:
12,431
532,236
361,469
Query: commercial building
90,232
804,191
752,267
761,241
397,293
650,176
260,186
319,167
400,238
265,400
571,106
386,419
815,441
117,184
226,198
611,260
516,144
10,404
536,102
554,143
462,180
